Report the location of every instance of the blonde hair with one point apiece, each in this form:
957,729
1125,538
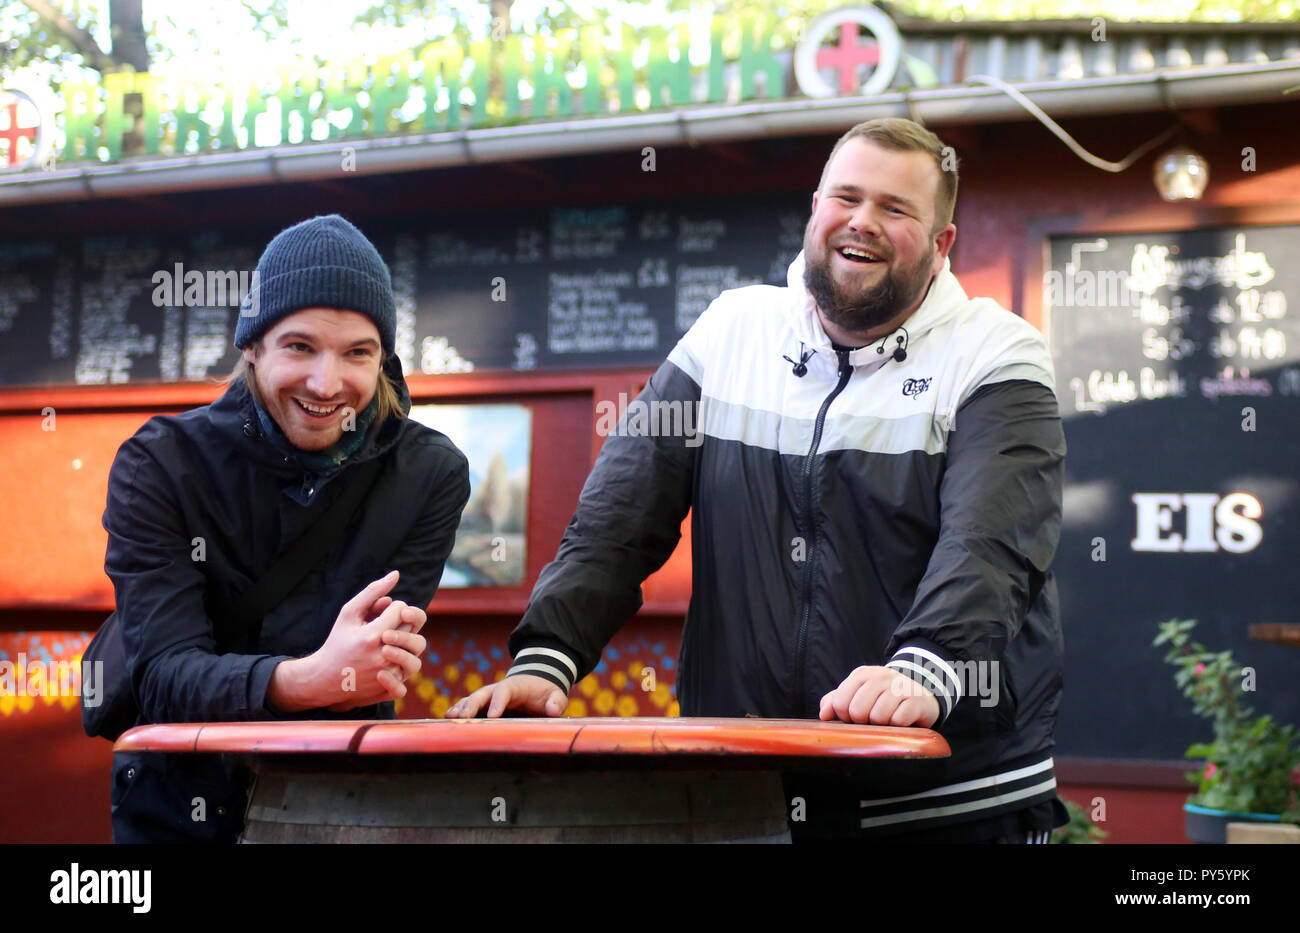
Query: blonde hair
389,400
901,135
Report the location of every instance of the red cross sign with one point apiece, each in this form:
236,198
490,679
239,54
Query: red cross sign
17,110
848,57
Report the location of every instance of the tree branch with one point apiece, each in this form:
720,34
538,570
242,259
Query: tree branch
81,40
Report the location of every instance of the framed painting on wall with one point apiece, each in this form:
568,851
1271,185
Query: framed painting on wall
491,543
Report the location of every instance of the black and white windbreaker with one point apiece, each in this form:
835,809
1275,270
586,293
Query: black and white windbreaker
868,512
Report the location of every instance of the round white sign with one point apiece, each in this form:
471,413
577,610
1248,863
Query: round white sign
848,55
25,116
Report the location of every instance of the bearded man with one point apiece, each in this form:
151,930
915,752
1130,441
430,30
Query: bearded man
875,501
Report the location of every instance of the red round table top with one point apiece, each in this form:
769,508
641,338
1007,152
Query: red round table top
784,738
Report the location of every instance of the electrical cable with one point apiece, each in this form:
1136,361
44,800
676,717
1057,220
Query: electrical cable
1065,137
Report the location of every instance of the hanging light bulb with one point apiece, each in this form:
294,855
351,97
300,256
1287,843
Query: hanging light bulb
1181,174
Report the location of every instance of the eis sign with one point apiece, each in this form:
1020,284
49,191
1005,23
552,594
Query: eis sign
1192,522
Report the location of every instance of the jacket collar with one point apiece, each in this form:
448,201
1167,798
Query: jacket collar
943,300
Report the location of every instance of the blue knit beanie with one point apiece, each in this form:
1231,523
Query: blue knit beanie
324,262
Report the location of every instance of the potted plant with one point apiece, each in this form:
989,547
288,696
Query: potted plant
1081,830
1252,765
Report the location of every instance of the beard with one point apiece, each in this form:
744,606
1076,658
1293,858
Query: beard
860,311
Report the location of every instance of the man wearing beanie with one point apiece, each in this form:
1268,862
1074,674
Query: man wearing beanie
203,504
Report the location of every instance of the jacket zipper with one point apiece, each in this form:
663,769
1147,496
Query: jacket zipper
801,645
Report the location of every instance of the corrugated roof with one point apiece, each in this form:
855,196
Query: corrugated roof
1062,54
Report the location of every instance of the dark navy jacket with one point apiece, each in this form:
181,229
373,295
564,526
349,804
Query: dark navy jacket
199,506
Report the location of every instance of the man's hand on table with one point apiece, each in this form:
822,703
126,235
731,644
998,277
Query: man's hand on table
880,696
535,696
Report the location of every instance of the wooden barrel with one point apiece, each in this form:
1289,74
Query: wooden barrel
289,805
529,780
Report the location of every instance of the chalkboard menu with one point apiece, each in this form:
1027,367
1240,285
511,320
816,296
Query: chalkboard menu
1178,373
553,289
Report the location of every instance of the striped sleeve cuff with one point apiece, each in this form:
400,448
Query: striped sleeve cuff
548,663
924,663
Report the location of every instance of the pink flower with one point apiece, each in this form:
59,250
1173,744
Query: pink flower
1210,770
1295,776
1200,669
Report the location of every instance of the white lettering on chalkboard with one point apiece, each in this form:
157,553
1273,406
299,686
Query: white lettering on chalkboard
528,245
109,343
1226,383
525,352
1176,346
207,336
229,277
699,285
1211,523
61,311
1152,386
1081,403
1251,343
587,233
1152,268
1104,387
170,349
437,356
699,236
655,225
788,244
403,270
447,249
589,314
1151,311
16,288
653,274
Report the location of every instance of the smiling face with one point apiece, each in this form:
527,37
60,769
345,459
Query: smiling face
314,369
869,249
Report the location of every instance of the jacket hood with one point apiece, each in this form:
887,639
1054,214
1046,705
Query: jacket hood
942,302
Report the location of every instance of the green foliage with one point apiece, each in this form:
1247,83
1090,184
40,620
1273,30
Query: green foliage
550,16
1148,11
1252,764
1080,830
28,39
79,44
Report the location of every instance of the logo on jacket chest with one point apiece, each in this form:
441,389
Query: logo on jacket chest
914,387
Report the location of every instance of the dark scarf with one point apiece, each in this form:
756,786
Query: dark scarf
331,458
